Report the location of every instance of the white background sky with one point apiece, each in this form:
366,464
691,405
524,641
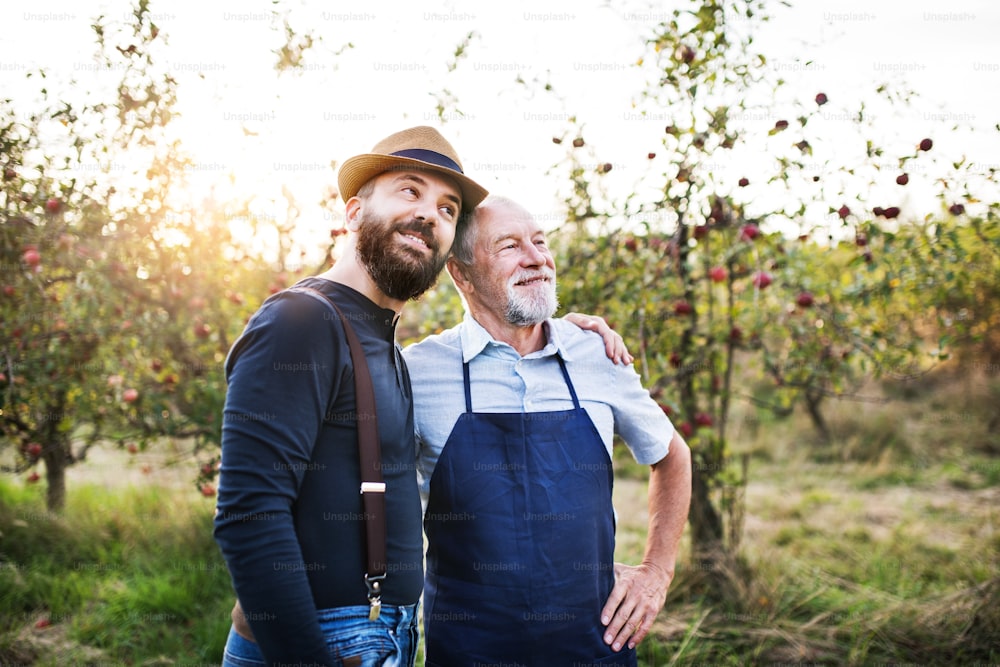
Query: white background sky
342,104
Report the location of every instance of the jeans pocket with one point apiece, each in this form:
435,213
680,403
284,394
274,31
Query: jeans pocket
359,644
241,652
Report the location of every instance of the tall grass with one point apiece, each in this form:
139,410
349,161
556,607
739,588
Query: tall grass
125,575
852,554
877,548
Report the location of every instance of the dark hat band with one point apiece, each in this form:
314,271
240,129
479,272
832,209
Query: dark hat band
430,157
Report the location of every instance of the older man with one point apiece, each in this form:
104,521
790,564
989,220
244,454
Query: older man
515,415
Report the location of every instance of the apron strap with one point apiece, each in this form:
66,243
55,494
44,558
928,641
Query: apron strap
468,388
569,383
562,367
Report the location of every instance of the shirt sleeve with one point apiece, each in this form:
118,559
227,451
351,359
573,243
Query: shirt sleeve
639,420
281,373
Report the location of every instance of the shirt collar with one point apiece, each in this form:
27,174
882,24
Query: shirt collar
475,339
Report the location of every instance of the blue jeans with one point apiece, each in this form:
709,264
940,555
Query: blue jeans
391,641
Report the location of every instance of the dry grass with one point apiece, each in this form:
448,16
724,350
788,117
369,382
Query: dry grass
855,553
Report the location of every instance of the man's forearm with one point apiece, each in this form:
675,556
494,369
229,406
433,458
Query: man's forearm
669,499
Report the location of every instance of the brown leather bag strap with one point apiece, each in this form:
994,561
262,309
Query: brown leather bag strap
370,454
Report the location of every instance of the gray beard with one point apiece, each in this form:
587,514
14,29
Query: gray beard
528,310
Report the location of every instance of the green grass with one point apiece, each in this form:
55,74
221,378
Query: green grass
861,554
130,575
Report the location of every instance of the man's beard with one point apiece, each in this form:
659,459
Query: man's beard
400,272
524,310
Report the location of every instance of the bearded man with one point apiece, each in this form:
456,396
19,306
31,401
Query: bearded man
290,522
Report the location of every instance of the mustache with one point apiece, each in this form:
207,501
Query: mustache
525,276
422,229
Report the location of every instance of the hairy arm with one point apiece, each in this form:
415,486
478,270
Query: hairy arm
640,591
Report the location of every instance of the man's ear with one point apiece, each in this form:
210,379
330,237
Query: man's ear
459,275
352,217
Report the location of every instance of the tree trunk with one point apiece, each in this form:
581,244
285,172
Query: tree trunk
813,401
706,524
55,477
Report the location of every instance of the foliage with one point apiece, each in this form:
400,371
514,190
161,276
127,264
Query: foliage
712,277
119,300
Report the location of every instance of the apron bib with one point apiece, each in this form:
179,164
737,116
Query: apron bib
520,529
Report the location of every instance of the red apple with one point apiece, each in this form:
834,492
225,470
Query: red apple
821,99
631,244
130,395
8,290
52,205
34,450
749,232
703,419
43,622
902,179
843,212
156,365
667,410
805,299
762,279
31,257
683,308
700,231
718,274
650,155
743,182
33,477
202,330
686,429
207,490
132,448
926,144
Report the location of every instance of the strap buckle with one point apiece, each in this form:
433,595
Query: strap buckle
374,584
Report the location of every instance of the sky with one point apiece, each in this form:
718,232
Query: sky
244,123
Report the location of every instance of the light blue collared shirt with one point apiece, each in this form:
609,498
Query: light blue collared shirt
504,381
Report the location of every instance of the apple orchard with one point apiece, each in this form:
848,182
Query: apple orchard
119,303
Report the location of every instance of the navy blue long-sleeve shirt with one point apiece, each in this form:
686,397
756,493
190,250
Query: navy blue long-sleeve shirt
290,517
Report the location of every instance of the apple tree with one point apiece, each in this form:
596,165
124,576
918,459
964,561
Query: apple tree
119,301
784,273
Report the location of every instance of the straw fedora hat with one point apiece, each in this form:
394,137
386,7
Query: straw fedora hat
415,148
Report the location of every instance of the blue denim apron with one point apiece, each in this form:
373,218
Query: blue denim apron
520,532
